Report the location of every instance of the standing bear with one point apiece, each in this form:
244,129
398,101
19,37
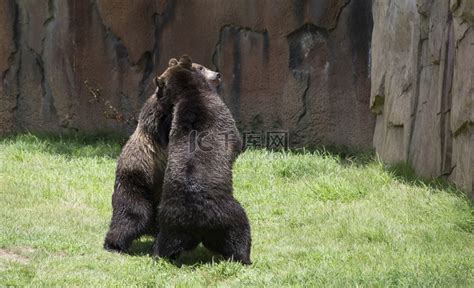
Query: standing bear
197,203
140,170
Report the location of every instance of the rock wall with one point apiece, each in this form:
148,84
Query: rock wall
423,86
8,86
302,66
87,66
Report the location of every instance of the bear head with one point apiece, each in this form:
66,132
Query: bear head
210,79
184,79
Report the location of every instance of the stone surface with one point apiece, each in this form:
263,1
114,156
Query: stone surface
462,109
8,49
300,66
422,86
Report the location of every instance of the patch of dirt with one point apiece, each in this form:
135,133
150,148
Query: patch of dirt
16,254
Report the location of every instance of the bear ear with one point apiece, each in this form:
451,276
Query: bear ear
172,62
159,82
185,61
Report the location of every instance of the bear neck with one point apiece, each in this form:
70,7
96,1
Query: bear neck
191,113
155,121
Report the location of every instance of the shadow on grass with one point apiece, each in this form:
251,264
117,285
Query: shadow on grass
349,156
198,256
141,247
404,173
79,145
344,155
109,145
73,145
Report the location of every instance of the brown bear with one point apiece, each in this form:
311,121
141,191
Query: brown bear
197,203
140,170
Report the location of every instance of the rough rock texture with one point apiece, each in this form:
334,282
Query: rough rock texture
423,86
8,49
300,66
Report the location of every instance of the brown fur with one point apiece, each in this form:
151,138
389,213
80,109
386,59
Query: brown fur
140,171
139,178
197,203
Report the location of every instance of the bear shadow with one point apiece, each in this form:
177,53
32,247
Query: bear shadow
141,247
199,256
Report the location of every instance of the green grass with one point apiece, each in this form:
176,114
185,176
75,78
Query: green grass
318,219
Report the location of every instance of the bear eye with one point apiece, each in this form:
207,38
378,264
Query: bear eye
201,68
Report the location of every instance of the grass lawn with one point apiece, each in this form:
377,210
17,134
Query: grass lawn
318,219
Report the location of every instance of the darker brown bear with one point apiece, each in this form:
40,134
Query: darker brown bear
197,203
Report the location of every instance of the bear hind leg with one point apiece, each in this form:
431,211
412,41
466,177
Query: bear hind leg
169,244
131,218
234,243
